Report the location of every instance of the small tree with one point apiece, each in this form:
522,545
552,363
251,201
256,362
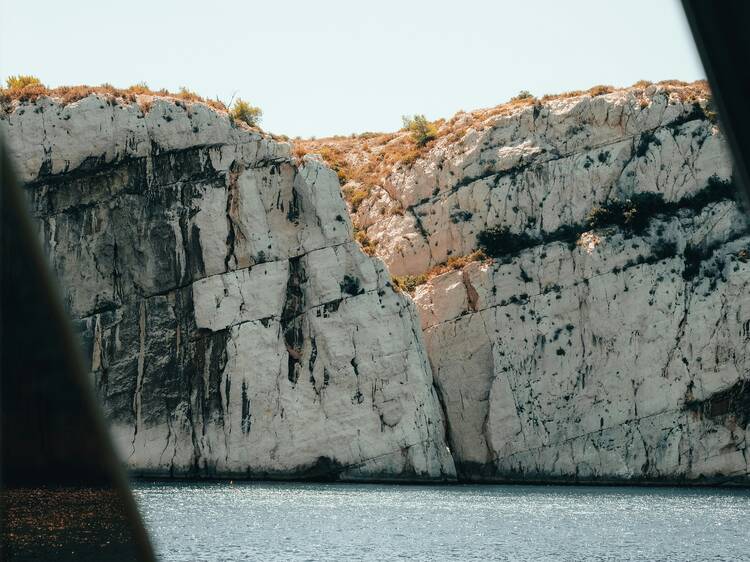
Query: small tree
522,95
21,81
243,111
500,242
422,131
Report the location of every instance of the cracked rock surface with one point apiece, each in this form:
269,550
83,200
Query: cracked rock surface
233,326
541,167
618,365
610,355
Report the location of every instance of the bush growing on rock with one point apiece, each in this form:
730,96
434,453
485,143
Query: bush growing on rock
350,285
408,283
139,88
187,94
632,214
499,241
28,89
356,196
422,131
243,111
715,190
600,90
368,246
693,257
522,95
20,81
336,159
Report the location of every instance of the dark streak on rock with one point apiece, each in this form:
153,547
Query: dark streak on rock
245,409
729,405
291,319
230,260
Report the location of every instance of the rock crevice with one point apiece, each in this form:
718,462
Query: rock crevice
212,281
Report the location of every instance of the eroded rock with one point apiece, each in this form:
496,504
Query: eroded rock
232,325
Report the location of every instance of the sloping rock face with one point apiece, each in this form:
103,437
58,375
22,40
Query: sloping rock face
233,326
618,353
541,167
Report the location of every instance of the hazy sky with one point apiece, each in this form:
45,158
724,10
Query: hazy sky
341,66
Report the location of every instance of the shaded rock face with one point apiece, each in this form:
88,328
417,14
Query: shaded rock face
232,325
618,354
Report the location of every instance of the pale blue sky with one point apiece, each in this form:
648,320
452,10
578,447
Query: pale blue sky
341,66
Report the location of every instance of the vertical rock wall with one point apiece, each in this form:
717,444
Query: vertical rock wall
233,326
608,338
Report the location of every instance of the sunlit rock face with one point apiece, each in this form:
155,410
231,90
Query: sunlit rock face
234,328
232,325
541,167
613,353
626,363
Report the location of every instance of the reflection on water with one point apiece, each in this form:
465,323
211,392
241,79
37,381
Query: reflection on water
287,521
64,524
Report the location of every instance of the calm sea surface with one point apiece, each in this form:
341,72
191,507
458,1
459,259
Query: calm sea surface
280,521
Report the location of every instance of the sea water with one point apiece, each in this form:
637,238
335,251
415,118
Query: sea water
297,521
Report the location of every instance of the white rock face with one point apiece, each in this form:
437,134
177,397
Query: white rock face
234,327
611,355
604,366
539,168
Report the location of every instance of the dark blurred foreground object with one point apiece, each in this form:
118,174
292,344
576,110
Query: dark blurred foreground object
720,31
64,494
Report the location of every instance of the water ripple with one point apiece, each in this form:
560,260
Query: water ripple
306,522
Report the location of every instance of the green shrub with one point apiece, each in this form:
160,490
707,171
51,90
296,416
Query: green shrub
350,285
693,257
642,207
368,246
21,81
422,131
645,140
522,95
716,190
499,242
633,214
356,196
243,111
663,249
601,216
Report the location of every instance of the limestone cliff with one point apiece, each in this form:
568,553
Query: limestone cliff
606,338
233,326
578,263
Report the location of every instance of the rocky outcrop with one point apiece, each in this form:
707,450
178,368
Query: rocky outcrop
540,167
233,326
570,364
608,338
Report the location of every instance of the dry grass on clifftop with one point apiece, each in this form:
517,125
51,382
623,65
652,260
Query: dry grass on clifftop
30,92
368,159
27,89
